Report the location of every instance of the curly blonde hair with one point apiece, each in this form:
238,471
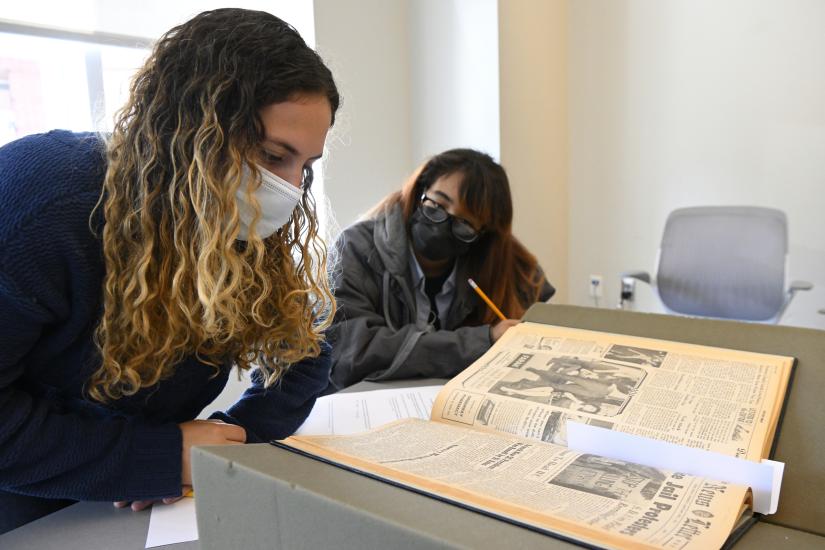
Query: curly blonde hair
178,282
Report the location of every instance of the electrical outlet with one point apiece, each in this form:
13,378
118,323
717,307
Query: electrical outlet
596,286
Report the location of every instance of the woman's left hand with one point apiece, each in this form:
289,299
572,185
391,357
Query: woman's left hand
498,330
138,505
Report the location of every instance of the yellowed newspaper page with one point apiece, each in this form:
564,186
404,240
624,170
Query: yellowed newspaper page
537,376
589,498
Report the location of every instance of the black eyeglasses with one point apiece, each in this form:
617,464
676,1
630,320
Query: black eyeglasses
462,230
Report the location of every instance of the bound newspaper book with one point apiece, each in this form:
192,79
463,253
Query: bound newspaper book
495,441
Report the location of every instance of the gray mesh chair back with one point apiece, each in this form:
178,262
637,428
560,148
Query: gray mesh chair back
724,261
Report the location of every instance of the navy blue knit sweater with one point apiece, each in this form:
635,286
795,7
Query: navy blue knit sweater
54,441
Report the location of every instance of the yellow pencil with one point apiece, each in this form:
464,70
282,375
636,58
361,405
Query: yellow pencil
488,301
189,493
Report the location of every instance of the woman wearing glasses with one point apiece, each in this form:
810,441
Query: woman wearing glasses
405,308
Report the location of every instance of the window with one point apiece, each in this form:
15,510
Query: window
48,83
68,65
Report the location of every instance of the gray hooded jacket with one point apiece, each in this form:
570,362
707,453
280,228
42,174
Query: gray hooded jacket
376,334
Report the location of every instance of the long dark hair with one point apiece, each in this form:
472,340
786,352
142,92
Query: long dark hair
497,261
177,283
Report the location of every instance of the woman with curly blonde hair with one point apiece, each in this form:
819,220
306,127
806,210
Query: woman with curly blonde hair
137,269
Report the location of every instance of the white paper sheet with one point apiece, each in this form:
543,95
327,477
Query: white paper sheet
764,478
347,413
172,523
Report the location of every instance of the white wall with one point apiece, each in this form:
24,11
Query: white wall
366,45
417,77
692,102
534,128
454,76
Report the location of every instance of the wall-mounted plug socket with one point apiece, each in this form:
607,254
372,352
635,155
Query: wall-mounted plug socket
628,291
596,285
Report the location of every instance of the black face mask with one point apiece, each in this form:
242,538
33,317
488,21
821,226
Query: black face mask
435,241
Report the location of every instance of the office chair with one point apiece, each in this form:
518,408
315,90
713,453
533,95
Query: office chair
722,261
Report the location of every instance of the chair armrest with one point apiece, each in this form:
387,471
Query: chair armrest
789,295
643,276
800,285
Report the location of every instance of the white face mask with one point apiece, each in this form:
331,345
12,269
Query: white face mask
277,198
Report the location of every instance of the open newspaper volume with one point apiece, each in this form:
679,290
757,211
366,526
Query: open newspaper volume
496,438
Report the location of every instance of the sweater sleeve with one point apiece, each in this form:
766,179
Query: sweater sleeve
365,347
277,411
48,451
52,445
